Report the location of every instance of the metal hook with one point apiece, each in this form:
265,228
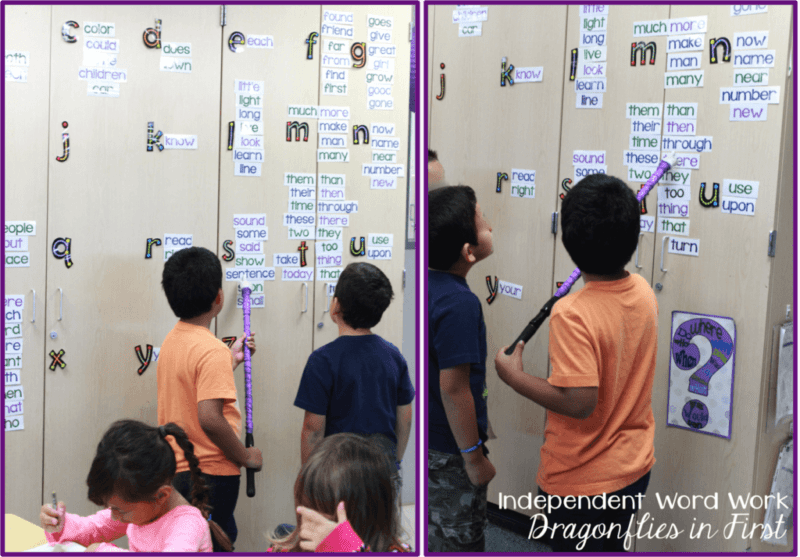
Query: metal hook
34,306
61,305
328,294
305,284
663,241
638,241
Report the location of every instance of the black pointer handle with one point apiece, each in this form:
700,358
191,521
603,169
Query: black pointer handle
534,325
251,474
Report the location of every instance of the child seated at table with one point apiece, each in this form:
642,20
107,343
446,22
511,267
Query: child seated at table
131,476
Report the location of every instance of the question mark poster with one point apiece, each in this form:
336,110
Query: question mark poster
701,368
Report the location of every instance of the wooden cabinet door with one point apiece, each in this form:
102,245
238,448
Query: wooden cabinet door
480,129
730,278
27,30
380,211
283,327
609,129
108,198
779,310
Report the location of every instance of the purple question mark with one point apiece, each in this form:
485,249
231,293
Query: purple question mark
686,354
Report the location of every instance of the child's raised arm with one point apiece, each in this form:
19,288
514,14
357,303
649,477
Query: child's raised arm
574,402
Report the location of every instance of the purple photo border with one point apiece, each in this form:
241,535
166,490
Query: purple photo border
421,278
733,373
3,205
421,253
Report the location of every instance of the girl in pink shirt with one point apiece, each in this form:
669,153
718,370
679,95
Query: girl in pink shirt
131,476
346,500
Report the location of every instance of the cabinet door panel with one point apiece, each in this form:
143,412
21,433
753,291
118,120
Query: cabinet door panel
283,328
379,211
729,278
480,129
109,197
609,129
25,181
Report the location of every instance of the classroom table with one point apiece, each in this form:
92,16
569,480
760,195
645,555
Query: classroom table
22,535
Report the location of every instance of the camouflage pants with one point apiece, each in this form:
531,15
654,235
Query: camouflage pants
456,508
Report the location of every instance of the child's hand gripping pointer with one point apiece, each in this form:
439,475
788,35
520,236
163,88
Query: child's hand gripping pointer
314,527
237,350
509,365
52,520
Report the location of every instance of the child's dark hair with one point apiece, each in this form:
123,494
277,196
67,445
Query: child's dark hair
134,459
600,224
364,293
432,155
357,470
191,279
451,224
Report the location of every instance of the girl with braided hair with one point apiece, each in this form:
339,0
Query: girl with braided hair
131,476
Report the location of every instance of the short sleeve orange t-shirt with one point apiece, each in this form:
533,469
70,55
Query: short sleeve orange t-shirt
193,365
605,335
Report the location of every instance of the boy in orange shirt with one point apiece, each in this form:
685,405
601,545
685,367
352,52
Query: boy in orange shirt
603,341
196,389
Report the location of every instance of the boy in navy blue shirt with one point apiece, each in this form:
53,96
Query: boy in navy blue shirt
358,383
458,470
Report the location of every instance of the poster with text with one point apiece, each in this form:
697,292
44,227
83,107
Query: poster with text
701,369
